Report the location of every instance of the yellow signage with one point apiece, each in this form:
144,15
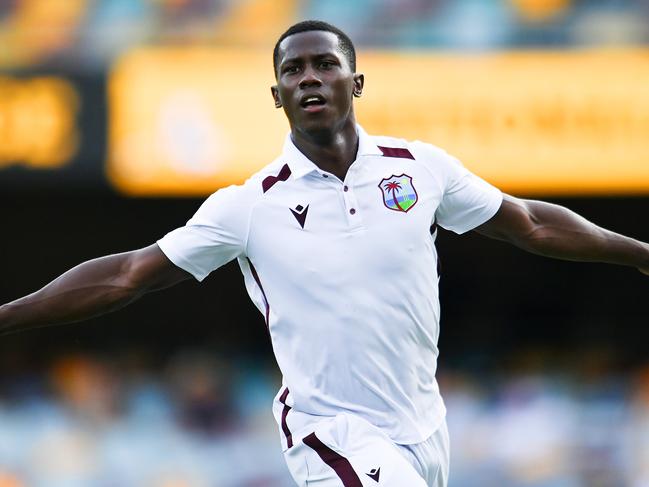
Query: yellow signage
568,123
37,122
190,121
187,121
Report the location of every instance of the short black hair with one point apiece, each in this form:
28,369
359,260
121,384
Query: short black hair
345,44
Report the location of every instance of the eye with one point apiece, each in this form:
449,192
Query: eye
290,69
326,64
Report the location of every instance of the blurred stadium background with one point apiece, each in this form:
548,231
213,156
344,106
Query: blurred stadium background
117,117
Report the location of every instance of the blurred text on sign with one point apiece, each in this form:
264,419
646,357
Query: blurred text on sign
188,121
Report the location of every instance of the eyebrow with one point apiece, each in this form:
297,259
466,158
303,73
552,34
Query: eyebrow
316,56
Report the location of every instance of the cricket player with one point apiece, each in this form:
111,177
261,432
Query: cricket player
336,241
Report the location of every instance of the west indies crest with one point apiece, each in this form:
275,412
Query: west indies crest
399,194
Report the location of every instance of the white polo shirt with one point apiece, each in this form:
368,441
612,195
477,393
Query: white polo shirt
344,273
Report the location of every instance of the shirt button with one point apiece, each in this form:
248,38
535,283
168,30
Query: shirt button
352,211
325,176
345,188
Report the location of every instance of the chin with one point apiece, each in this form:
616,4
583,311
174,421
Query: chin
318,129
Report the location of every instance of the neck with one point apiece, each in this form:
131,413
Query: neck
331,151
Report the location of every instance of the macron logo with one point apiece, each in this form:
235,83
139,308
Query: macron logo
374,474
300,214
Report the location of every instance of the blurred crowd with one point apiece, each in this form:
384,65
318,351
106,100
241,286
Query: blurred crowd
194,420
89,34
198,419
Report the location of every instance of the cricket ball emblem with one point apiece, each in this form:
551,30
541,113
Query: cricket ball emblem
398,192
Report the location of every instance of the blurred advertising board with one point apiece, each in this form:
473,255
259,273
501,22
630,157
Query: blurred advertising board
52,131
187,121
551,123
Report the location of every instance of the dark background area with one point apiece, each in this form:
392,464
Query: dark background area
497,301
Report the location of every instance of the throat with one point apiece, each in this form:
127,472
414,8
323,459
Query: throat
340,171
331,154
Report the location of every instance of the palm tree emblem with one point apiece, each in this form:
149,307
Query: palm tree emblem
394,187
398,192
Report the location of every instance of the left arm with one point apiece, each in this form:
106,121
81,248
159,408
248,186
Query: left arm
554,231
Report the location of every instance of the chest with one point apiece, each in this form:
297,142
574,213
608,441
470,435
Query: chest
379,217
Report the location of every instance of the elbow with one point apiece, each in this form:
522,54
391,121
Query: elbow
128,283
126,293
535,240
531,233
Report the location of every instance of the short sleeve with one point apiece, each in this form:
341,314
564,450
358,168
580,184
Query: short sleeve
468,201
214,236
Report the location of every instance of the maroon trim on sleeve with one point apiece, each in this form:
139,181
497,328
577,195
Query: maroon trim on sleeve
340,464
396,152
287,432
270,181
433,231
263,293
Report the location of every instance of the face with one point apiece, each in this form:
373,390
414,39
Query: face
315,83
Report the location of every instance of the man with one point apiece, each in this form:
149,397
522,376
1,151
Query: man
336,243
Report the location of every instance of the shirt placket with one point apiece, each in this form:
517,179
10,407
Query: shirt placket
352,210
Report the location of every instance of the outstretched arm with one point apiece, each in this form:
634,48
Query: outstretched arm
554,231
93,288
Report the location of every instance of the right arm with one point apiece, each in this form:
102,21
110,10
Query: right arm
93,288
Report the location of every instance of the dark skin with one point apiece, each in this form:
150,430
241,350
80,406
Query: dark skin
93,288
311,64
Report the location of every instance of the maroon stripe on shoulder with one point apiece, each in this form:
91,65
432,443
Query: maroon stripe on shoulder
287,432
270,181
263,293
340,464
396,152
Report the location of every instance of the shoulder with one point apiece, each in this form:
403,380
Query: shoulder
232,206
433,158
420,151
251,191
431,154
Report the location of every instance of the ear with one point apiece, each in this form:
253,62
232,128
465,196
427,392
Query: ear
275,93
359,82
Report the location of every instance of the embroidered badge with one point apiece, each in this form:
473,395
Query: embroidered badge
399,194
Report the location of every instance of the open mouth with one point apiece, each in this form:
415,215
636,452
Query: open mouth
312,101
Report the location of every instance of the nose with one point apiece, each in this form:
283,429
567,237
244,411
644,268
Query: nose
309,78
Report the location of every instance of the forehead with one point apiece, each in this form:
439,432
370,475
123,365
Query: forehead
312,43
